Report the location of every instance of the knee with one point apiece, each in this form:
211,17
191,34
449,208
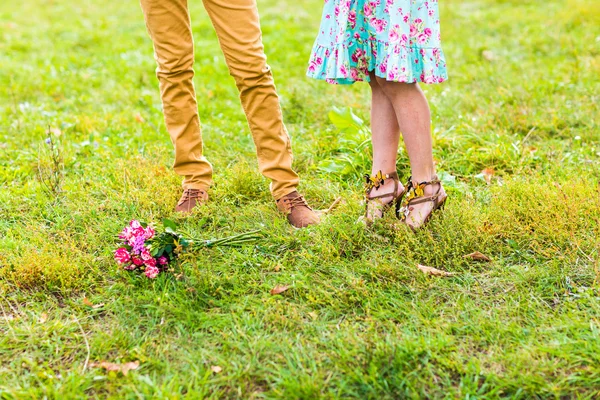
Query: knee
250,73
175,60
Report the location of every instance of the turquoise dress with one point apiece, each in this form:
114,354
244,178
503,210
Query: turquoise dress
397,39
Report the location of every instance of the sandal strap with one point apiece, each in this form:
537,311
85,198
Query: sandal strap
420,200
415,194
375,181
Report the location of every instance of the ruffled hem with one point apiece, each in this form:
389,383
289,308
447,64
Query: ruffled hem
342,64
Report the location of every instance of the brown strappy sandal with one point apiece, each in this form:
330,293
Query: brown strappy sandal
374,204
416,195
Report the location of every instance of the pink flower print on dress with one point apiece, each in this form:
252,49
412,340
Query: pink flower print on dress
344,71
394,36
383,67
358,55
378,24
352,19
413,30
403,32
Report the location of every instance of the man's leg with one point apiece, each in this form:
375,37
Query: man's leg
168,23
238,29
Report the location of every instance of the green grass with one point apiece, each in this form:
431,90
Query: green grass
359,321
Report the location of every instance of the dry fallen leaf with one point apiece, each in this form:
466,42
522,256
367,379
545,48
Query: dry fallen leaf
90,304
488,173
477,256
139,118
56,132
216,369
279,289
278,268
123,368
433,271
43,318
488,55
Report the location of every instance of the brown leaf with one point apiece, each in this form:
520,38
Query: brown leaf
216,369
123,368
488,55
43,318
56,132
279,289
477,256
488,173
433,271
139,118
90,304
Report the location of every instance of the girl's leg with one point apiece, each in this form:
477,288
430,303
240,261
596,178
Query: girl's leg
414,120
385,137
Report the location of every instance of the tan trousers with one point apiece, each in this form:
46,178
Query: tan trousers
238,29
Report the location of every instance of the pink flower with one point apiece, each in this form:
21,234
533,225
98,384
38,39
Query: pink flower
130,267
418,21
344,71
429,79
145,254
427,31
137,261
368,10
422,39
135,224
354,74
151,262
149,233
162,260
151,272
122,256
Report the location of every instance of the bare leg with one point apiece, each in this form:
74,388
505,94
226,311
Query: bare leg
385,138
414,119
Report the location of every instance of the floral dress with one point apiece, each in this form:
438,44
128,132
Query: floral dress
397,39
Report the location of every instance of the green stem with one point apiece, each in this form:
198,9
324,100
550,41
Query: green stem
235,240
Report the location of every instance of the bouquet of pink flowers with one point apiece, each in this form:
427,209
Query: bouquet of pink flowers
148,251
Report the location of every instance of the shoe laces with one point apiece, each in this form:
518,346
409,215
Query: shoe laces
297,202
189,194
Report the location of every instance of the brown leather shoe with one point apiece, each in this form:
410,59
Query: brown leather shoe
299,214
190,199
